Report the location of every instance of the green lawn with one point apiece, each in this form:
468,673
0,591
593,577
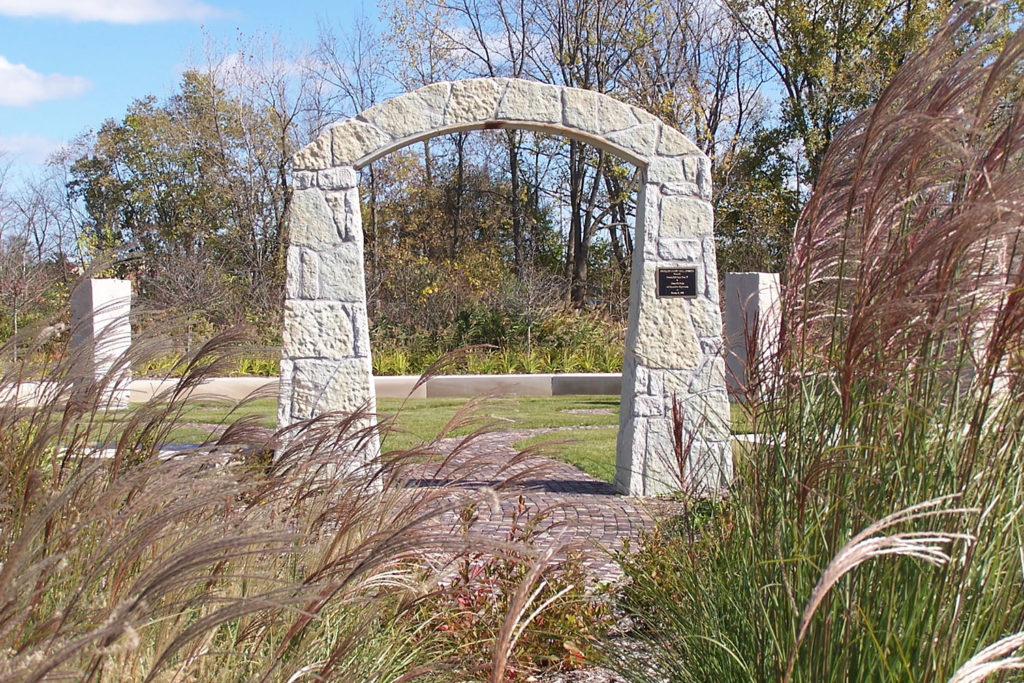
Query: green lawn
420,420
592,451
208,411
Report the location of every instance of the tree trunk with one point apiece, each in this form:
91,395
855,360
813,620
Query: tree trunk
618,222
427,170
574,237
582,224
460,189
517,204
374,237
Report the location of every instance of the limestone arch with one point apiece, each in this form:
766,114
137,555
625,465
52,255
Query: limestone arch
673,344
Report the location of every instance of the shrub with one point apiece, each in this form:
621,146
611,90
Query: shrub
562,619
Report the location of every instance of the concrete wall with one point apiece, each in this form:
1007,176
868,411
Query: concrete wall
405,386
753,314
101,335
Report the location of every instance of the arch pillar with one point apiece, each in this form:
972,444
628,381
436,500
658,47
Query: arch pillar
674,419
325,360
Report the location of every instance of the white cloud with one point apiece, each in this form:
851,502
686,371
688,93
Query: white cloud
28,149
113,11
20,86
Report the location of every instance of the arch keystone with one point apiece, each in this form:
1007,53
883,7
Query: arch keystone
474,101
529,101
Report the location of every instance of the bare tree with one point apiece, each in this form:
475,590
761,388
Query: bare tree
351,68
31,248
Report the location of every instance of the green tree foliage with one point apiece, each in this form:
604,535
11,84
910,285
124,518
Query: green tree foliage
756,207
189,197
447,274
833,57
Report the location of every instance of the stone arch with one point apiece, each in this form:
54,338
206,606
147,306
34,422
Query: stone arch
673,351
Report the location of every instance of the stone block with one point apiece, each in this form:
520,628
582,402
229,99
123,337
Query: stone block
706,316
662,170
319,386
685,217
360,330
711,284
641,377
531,101
284,393
649,406
101,335
753,315
347,214
595,113
664,473
682,188
644,116
673,143
656,382
581,109
314,156
303,273
689,251
697,169
631,445
647,224
354,140
303,180
338,178
407,116
474,101
435,95
317,329
311,221
341,274
638,140
665,336
712,346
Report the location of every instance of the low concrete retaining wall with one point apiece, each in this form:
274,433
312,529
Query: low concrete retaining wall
403,386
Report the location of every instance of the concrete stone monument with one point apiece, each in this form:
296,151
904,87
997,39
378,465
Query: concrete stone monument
753,315
673,360
101,334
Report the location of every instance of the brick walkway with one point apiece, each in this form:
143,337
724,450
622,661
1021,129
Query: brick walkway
582,512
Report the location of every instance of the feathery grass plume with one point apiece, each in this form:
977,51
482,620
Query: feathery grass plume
927,546
898,379
993,659
124,559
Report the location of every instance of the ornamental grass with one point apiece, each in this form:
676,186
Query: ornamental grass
875,529
259,555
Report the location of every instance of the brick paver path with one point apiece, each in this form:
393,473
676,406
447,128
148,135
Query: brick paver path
582,512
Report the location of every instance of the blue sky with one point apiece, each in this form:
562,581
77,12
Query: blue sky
67,65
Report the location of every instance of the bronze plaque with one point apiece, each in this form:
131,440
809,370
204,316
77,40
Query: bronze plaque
677,282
